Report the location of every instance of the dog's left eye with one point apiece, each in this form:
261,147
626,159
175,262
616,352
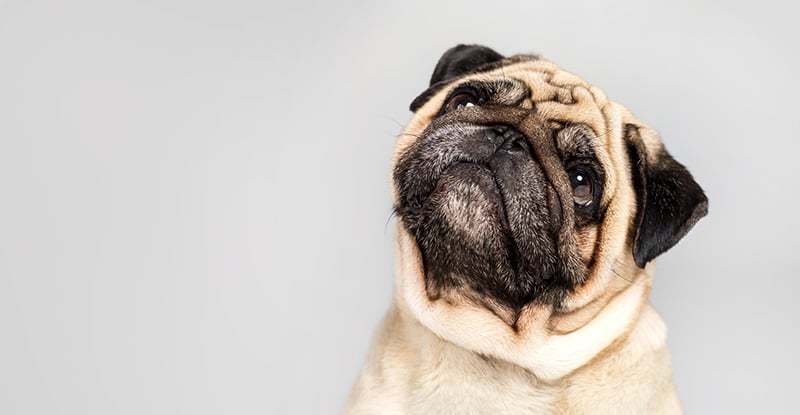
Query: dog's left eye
461,100
582,187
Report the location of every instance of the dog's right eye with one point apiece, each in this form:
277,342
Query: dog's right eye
461,100
582,187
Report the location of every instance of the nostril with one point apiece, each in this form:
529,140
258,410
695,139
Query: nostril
512,146
497,134
507,139
494,138
512,135
515,143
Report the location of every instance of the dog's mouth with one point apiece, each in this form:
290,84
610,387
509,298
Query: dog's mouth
510,181
484,213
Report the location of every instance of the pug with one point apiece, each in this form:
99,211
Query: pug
529,210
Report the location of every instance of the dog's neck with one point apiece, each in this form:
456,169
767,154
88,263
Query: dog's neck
548,343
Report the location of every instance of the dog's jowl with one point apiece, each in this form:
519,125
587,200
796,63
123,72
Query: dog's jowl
530,208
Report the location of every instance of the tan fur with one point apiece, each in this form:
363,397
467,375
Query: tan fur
453,356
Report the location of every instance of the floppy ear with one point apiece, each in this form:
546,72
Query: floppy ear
457,61
669,200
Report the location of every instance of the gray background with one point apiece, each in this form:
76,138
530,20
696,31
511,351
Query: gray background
195,206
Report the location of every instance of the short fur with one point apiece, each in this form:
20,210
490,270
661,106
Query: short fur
510,297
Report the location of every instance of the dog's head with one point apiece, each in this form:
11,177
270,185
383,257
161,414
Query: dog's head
518,185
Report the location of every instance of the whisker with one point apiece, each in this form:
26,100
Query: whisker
392,214
614,270
409,134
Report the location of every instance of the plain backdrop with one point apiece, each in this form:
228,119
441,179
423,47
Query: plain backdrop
195,205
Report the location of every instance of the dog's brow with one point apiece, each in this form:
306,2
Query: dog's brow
575,140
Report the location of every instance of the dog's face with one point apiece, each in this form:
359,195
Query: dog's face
521,184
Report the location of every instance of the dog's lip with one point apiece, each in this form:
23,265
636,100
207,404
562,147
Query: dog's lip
497,191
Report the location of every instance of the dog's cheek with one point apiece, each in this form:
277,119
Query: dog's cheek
586,239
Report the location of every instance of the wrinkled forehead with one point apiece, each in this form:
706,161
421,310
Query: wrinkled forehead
556,95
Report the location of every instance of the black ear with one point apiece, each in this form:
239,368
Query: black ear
462,59
457,61
669,200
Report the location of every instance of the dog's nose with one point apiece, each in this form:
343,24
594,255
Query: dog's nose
495,135
505,138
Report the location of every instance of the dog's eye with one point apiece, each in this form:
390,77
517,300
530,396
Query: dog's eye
461,100
582,187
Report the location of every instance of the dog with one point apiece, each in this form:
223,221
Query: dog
530,208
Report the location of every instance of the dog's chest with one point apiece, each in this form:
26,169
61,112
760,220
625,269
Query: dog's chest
453,381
